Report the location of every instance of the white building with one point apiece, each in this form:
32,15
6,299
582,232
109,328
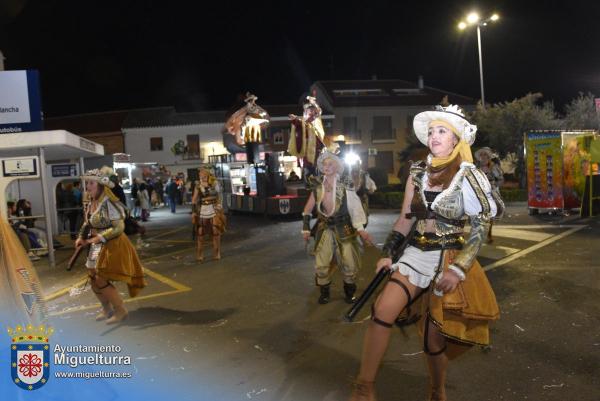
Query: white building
375,116
179,141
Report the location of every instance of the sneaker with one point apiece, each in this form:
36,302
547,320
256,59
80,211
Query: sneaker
32,256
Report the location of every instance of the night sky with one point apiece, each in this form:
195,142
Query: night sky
110,55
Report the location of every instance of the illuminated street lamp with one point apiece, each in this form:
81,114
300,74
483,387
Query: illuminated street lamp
473,19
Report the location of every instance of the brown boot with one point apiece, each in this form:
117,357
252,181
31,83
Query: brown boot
363,391
216,247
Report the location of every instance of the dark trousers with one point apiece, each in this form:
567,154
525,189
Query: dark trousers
172,203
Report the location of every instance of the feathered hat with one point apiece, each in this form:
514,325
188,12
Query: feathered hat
451,115
101,176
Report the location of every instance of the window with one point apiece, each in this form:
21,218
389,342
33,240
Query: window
385,161
351,127
277,135
193,147
382,128
156,144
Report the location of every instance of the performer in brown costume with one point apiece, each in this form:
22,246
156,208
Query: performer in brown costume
207,214
111,256
438,266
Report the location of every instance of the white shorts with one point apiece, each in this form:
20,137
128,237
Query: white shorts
418,266
207,211
92,257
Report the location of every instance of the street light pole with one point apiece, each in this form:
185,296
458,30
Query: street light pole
480,66
473,19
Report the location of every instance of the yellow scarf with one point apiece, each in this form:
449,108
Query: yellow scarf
110,194
462,148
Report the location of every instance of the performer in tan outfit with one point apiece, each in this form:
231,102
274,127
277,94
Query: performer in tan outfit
438,266
207,213
111,256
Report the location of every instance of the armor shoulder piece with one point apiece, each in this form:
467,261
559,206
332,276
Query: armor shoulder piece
480,185
417,170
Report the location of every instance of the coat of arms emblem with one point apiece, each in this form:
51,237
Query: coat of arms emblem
284,206
30,356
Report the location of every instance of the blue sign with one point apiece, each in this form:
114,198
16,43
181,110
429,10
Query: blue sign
20,102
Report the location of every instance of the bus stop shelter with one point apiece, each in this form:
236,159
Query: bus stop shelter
26,156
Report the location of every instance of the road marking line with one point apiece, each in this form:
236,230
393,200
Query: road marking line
97,305
520,234
80,282
63,291
167,281
167,233
497,252
180,241
533,248
535,226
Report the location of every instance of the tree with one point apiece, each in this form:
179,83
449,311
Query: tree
581,113
502,125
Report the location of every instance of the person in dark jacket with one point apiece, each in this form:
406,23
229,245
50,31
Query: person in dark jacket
118,190
172,190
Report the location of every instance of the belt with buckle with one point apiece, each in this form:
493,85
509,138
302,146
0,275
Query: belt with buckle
431,242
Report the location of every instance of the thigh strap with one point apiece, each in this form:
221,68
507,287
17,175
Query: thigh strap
404,287
426,341
380,322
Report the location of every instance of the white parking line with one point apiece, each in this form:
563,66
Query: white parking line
533,248
523,233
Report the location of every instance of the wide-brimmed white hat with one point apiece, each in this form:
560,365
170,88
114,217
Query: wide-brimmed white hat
101,176
328,155
485,150
452,115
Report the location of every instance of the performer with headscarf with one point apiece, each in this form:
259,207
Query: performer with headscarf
438,266
341,220
207,213
111,256
488,162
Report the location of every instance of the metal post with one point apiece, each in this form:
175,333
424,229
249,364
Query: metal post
50,238
81,172
480,65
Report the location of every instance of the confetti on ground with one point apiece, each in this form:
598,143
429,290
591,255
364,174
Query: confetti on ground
547,386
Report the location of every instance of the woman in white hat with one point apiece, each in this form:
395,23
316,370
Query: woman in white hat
111,256
430,260
487,162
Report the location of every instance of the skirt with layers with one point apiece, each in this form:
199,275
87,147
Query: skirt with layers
119,261
463,315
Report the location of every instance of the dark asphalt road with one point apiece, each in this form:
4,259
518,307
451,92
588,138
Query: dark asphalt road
250,327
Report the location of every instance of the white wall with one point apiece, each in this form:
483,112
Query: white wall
365,121
137,144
